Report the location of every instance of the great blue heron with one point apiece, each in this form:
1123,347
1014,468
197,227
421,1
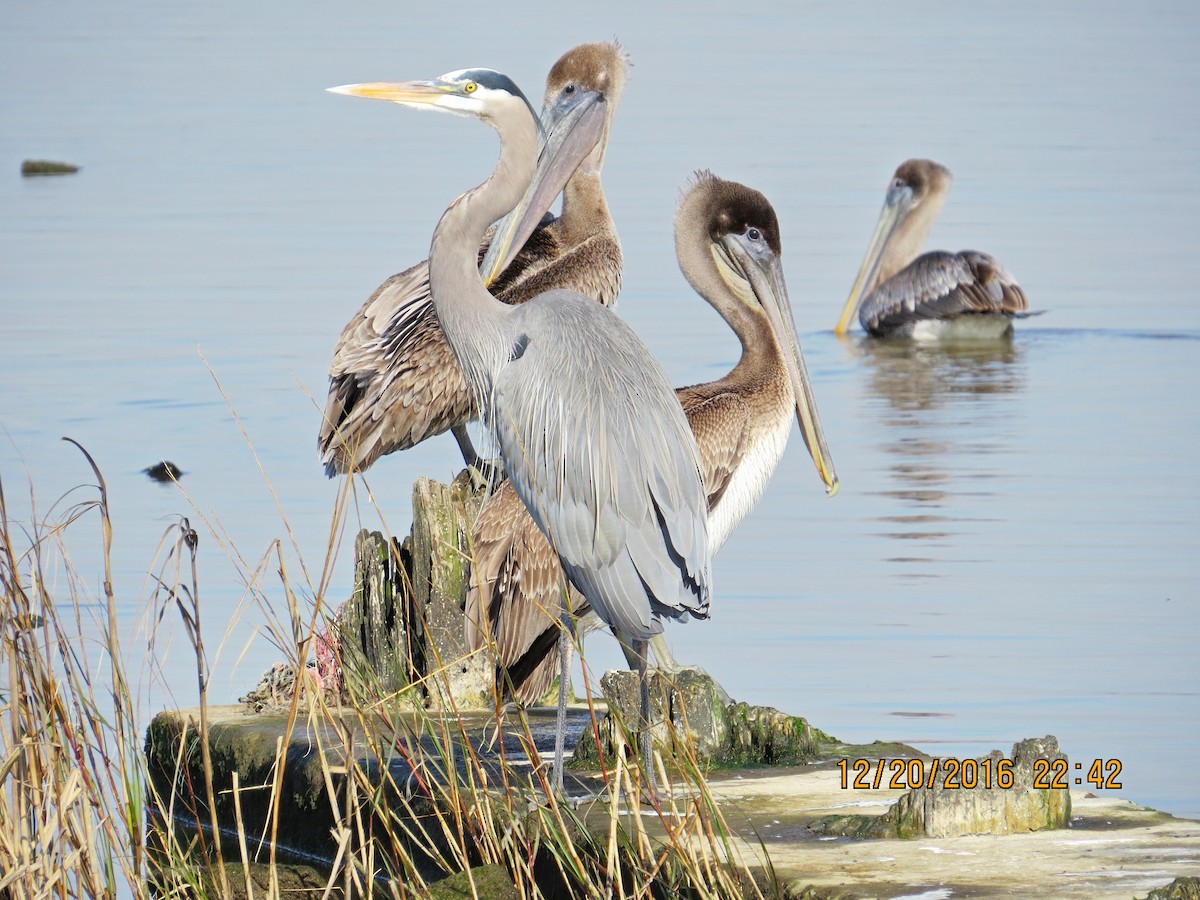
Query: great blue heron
393,381
591,434
728,244
935,295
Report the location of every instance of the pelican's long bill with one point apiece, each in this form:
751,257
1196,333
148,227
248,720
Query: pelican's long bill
765,275
895,206
570,138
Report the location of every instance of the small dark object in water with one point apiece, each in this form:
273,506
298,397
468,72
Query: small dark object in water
164,471
46,167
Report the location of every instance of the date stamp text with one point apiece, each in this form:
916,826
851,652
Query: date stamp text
967,774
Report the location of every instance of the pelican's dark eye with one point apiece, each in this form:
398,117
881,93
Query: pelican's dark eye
469,87
753,233
569,89
897,182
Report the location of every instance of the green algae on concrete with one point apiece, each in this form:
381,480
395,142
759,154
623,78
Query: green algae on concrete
1179,889
247,746
689,706
318,766
486,882
333,764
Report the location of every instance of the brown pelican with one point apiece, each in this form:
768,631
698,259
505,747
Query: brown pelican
590,432
728,244
393,381
935,295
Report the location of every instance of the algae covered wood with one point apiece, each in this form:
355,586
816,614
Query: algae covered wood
380,640
443,516
401,633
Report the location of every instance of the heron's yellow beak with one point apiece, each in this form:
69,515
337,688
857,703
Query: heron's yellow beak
419,93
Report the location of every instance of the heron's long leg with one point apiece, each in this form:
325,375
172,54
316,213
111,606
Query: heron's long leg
484,472
645,745
663,657
470,455
565,646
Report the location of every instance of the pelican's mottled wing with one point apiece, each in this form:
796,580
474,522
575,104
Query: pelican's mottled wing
590,266
515,595
721,424
393,381
942,285
615,484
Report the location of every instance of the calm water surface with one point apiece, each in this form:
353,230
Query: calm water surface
1015,547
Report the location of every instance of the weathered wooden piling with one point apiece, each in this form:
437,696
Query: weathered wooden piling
401,632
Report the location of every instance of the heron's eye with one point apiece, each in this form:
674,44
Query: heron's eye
753,233
469,87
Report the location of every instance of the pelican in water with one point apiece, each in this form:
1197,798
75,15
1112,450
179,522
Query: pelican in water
728,245
393,381
937,295
590,433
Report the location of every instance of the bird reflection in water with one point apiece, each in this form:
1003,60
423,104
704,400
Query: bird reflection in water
946,416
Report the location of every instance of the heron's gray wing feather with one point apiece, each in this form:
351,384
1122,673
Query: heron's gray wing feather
941,285
631,532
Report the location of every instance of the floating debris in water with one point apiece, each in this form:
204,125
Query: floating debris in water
46,167
164,471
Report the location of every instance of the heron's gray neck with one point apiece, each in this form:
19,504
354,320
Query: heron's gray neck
470,317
